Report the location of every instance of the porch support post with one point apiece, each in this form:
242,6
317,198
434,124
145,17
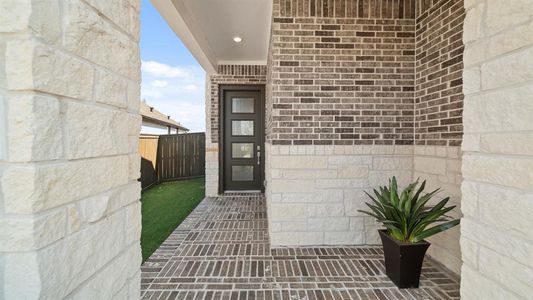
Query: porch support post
497,202
69,124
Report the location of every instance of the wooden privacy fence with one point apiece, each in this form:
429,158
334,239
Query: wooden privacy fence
180,156
171,157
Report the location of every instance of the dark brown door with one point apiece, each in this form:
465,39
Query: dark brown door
243,140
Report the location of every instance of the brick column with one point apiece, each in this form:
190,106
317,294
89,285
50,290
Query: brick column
497,203
69,100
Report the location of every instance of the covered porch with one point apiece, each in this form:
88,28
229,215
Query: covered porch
222,251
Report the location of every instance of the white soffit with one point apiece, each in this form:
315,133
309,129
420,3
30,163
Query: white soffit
207,28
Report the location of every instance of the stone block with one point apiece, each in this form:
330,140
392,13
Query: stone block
508,243
299,162
292,186
325,210
92,131
476,286
520,143
34,66
473,23
506,171
304,174
354,200
471,80
508,208
90,36
28,189
469,252
34,128
512,275
340,183
380,178
15,15
432,165
41,17
287,211
111,89
31,232
502,15
134,96
294,226
328,224
507,70
72,261
109,281
353,171
392,163
344,238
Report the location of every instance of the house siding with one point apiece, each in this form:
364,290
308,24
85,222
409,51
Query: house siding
376,86
341,81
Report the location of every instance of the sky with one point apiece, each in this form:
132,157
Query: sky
172,80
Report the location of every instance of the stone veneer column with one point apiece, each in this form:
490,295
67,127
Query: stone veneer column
69,98
497,202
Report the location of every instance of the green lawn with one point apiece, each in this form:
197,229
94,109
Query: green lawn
164,207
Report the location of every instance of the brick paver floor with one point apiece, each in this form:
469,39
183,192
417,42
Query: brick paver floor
221,251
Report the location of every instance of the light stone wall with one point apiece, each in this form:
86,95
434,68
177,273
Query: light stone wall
69,109
313,192
440,166
497,202
211,148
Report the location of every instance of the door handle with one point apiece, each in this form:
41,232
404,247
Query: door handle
258,157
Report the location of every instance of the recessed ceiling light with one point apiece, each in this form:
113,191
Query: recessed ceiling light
237,39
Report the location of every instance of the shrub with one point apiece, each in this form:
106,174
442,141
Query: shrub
406,216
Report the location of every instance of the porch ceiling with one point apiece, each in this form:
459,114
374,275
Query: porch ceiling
207,28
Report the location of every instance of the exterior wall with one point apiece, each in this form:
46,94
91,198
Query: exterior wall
227,74
441,167
375,74
314,191
345,80
340,116
497,202
438,112
69,108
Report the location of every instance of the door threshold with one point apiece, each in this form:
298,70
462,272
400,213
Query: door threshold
243,191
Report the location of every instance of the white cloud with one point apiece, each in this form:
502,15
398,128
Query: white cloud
162,70
191,87
180,96
159,83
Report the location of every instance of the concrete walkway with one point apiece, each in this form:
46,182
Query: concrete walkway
221,251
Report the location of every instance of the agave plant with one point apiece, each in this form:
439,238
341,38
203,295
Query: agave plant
406,216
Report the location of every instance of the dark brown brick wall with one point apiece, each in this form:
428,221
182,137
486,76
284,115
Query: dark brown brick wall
439,65
344,80
231,74
374,9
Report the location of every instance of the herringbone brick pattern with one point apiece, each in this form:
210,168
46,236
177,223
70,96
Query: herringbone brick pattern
221,251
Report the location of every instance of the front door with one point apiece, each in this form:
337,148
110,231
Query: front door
243,140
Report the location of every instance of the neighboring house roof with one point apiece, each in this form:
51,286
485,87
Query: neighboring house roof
150,114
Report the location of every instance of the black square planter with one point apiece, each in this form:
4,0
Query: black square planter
403,261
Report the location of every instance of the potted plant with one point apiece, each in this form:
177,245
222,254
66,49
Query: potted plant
406,217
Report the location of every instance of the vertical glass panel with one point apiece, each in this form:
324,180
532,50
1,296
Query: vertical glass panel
242,173
242,150
242,105
242,127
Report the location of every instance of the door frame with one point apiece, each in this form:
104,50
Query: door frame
222,89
